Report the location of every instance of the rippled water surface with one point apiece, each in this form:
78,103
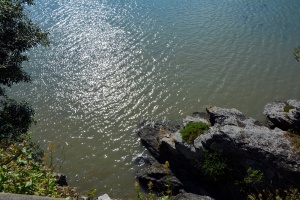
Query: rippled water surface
113,63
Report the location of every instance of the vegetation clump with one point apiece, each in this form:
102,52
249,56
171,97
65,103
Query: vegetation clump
192,130
288,108
18,34
21,173
214,166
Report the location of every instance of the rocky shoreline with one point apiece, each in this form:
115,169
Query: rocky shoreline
235,157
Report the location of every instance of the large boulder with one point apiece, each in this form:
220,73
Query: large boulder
284,115
241,141
245,143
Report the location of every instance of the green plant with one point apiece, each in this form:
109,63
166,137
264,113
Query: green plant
168,185
214,166
287,108
297,53
294,137
18,34
139,193
253,176
192,130
91,194
20,173
288,194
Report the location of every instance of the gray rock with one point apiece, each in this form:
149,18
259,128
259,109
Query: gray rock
284,119
104,197
61,179
9,196
245,143
160,176
242,141
191,196
189,119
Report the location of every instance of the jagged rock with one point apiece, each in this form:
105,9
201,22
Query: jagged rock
160,175
284,115
247,143
240,140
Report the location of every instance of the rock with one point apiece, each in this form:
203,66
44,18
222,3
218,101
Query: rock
104,197
61,179
284,115
195,118
160,176
191,196
243,142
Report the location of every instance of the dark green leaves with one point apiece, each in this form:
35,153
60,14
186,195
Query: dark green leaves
17,34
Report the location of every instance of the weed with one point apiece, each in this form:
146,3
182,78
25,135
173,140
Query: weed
253,177
294,138
214,166
192,130
21,174
287,108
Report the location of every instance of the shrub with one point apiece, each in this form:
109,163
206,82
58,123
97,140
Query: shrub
214,166
192,130
288,108
253,176
20,173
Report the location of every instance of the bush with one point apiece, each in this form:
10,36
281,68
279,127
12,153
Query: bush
288,108
192,130
214,166
20,173
15,119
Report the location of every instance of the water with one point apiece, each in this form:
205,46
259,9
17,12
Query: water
114,63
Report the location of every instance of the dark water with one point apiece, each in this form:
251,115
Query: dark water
114,63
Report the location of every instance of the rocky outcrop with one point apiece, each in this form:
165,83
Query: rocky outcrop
241,142
285,115
161,177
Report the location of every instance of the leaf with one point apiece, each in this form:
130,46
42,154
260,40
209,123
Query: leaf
20,160
91,192
28,183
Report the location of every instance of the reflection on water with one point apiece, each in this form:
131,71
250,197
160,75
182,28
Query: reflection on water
114,63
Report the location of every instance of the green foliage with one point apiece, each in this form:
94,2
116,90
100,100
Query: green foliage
294,137
288,108
91,194
18,34
288,194
21,173
297,53
214,166
192,130
253,177
15,119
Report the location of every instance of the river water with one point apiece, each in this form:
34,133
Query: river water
113,63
